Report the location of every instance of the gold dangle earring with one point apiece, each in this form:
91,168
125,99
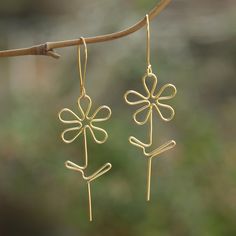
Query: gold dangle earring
150,101
82,123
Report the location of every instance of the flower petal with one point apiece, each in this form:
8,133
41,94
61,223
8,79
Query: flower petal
139,97
68,111
84,109
143,109
101,109
66,140
150,89
167,107
166,97
102,132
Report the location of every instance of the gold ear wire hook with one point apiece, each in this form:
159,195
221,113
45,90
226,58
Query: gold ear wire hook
82,75
149,66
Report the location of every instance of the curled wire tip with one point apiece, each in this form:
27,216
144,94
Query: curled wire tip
70,164
173,143
67,163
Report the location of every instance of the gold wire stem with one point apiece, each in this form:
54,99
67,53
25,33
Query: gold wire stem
150,155
149,170
149,173
165,147
85,149
150,129
90,202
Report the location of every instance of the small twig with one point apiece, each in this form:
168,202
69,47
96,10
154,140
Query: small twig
47,48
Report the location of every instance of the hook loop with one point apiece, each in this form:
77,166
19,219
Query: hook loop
82,75
149,66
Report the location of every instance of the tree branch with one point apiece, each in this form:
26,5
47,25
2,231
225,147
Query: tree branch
47,48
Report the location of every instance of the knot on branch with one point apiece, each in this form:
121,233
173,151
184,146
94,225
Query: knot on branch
47,49
42,49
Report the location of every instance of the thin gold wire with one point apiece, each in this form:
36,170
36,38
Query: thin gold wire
84,122
151,101
89,120
149,67
105,168
82,75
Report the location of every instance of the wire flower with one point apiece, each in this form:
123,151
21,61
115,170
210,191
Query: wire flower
151,99
84,121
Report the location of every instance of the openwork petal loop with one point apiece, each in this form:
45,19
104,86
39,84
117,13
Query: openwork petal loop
141,98
153,78
101,109
167,107
66,140
84,111
163,88
93,128
66,110
141,110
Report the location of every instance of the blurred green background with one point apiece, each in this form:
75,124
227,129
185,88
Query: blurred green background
193,186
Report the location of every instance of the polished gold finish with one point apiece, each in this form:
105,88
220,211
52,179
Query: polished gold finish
72,166
151,101
47,48
83,122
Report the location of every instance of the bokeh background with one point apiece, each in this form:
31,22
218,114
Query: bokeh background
193,186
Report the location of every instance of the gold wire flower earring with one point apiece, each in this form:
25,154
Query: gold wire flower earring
150,101
82,123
